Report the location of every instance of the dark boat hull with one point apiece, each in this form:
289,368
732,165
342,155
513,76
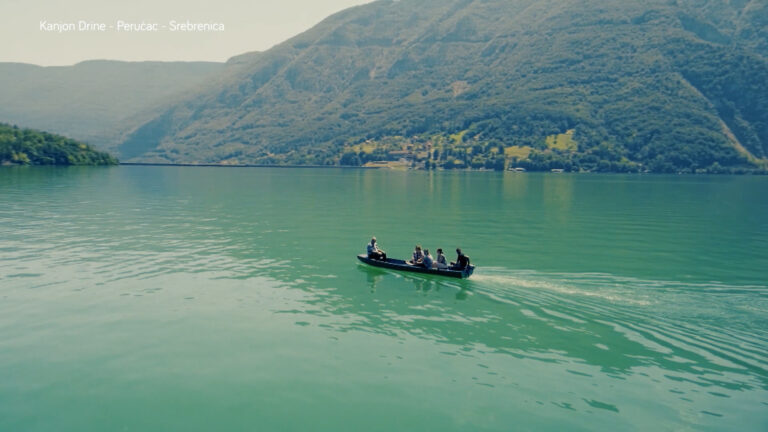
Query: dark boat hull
396,264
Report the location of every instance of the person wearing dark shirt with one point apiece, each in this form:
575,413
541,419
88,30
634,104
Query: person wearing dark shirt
462,261
427,261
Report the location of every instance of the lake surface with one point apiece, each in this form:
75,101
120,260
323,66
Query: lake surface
199,299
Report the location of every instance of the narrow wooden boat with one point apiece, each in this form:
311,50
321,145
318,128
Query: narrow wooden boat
396,264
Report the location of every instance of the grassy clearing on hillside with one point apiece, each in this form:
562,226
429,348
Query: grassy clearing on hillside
562,141
458,138
366,147
517,152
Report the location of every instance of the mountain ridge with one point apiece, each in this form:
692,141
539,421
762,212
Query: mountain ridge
595,85
94,100
644,87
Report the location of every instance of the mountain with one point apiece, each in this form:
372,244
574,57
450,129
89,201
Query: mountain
94,101
599,85
31,147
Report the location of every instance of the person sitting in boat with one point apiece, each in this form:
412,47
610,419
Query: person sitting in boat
418,256
374,252
440,261
427,261
462,261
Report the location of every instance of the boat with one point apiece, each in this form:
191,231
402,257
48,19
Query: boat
397,264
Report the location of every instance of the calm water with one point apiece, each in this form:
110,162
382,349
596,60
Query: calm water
199,299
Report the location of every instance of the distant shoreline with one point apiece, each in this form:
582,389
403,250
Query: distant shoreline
348,167
242,165
302,166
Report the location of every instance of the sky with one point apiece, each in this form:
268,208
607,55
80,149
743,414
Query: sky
41,31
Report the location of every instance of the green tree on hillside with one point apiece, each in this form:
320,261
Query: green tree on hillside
30,147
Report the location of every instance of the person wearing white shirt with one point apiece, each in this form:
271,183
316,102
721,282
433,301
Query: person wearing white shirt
440,262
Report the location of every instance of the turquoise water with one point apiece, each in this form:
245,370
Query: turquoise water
161,298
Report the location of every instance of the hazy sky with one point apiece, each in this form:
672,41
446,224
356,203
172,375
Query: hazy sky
253,25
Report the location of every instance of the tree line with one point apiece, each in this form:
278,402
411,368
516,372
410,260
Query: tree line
19,146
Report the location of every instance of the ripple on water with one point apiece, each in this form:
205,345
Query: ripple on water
693,328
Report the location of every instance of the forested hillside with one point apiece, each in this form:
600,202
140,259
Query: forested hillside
30,147
598,85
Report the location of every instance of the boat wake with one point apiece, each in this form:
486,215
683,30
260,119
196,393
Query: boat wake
706,327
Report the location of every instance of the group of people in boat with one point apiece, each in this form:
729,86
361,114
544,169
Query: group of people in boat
422,257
